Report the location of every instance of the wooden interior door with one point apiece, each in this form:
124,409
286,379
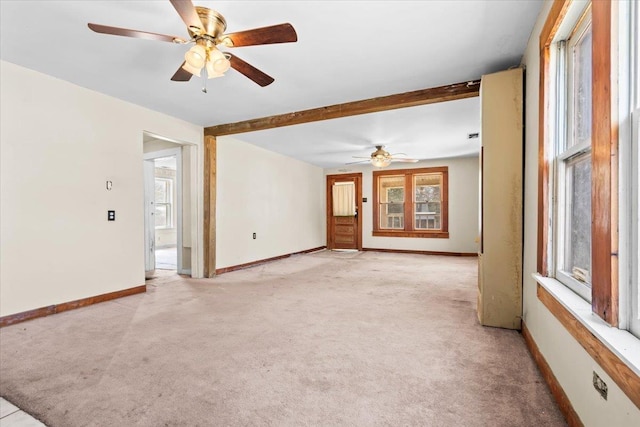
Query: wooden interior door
344,232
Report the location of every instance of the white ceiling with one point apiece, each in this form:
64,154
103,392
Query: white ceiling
346,51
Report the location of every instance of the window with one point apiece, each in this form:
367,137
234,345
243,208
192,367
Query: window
573,159
163,199
589,191
410,203
634,80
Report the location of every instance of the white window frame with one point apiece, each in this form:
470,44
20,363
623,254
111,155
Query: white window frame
563,155
169,205
633,292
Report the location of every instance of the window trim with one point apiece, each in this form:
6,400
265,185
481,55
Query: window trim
409,228
604,198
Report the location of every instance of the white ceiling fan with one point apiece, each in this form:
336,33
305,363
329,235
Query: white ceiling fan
382,158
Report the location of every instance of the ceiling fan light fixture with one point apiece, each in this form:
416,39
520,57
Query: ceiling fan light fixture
221,65
193,70
212,73
380,162
196,56
219,60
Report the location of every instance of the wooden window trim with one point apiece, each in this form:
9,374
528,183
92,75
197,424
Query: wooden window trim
409,230
604,157
616,368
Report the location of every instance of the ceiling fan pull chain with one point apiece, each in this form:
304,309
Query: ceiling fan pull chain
204,87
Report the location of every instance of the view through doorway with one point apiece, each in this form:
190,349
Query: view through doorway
165,213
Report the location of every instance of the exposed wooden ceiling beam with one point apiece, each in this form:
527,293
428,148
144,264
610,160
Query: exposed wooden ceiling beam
384,103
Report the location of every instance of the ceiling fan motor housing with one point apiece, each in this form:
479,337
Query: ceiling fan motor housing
213,23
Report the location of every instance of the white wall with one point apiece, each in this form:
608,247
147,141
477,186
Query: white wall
59,144
463,207
570,363
277,197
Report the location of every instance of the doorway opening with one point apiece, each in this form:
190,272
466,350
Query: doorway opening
172,195
163,194
165,213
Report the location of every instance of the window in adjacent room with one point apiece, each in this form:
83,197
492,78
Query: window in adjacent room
411,202
163,198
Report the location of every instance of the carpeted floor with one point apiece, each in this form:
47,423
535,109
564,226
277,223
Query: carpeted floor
324,339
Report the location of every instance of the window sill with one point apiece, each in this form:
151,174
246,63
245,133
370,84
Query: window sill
423,234
616,351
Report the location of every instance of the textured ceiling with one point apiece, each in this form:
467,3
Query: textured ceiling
346,51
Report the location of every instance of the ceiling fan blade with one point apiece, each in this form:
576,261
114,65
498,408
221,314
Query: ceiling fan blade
188,13
105,29
361,157
405,160
250,71
281,33
361,161
181,75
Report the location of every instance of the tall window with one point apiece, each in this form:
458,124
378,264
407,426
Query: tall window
589,184
163,202
411,202
634,79
573,158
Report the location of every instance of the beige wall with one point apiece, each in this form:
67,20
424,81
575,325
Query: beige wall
463,207
276,197
60,143
571,364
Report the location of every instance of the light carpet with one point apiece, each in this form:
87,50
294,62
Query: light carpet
323,339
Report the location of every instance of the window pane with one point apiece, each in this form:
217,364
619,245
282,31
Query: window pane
162,216
578,217
581,96
391,191
162,187
427,196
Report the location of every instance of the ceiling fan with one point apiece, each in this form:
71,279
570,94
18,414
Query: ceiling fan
382,158
206,29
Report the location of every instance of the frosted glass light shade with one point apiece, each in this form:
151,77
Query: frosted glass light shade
196,56
222,65
380,162
211,71
193,70
220,62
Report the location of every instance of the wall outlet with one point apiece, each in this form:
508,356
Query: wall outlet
600,385
111,215
254,236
